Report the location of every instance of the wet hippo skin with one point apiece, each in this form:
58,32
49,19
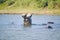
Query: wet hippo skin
27,19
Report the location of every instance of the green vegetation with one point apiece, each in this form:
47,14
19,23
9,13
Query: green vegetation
53,6
29,4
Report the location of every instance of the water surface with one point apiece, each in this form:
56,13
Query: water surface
11,28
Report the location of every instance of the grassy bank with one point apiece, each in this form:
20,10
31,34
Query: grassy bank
42,11
30,6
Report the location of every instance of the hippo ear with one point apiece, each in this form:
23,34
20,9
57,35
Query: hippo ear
29,15
23,15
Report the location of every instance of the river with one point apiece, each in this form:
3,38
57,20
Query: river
11,27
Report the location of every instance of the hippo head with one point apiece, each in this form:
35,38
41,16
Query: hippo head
27,19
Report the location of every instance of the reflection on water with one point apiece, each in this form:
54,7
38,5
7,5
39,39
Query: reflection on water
11,28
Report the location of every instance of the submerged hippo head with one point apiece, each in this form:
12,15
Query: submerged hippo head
27,19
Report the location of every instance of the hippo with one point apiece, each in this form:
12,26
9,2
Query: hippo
27,19
50,22
50,27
